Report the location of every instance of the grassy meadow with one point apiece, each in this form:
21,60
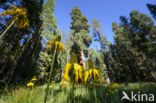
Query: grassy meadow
40,62
82,93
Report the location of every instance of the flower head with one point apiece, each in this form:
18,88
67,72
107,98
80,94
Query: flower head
78,72
73,70
92,72
17,14
55,44
34,79
50,86
30,84
116,85
86,74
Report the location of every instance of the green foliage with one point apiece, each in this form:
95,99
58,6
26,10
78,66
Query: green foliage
20,47
83,94
104,54
99,36
98,60
152,9
49,21
134,48
79,32
24,95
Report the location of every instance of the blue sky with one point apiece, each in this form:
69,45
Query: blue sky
106,11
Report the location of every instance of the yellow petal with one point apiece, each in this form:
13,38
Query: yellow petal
52,42
90,73
34,79
80,72
67,67
30,84
86,76
76,76
94,74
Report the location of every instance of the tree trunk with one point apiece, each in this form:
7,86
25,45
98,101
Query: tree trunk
68,54
82,62
107,77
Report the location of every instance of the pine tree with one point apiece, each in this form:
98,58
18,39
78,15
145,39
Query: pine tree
98,36
79,34
24,45
152,9
49,27
134,46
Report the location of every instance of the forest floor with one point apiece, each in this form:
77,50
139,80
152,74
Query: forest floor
82,94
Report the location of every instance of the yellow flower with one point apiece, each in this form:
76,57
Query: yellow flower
55,44
116,85
78,72
96,74
30,84
92,71
17,14
34,79
86,74
50,86
67,67
74,69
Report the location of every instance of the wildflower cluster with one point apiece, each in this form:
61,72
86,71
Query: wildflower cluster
55,44
31,83
92,72
112,88
76,72
74,69
19,15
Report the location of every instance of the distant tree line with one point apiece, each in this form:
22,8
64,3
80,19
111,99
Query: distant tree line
131,58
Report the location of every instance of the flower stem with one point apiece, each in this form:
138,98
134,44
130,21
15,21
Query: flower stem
7,29
94,92
50,77
73,88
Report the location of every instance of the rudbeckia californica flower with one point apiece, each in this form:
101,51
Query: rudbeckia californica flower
73,69
30,84
50,86
55,44
92,71
34,79
19,15
116,85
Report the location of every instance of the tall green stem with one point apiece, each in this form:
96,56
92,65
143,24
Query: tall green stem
7,29
50,77
72,95
94,92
